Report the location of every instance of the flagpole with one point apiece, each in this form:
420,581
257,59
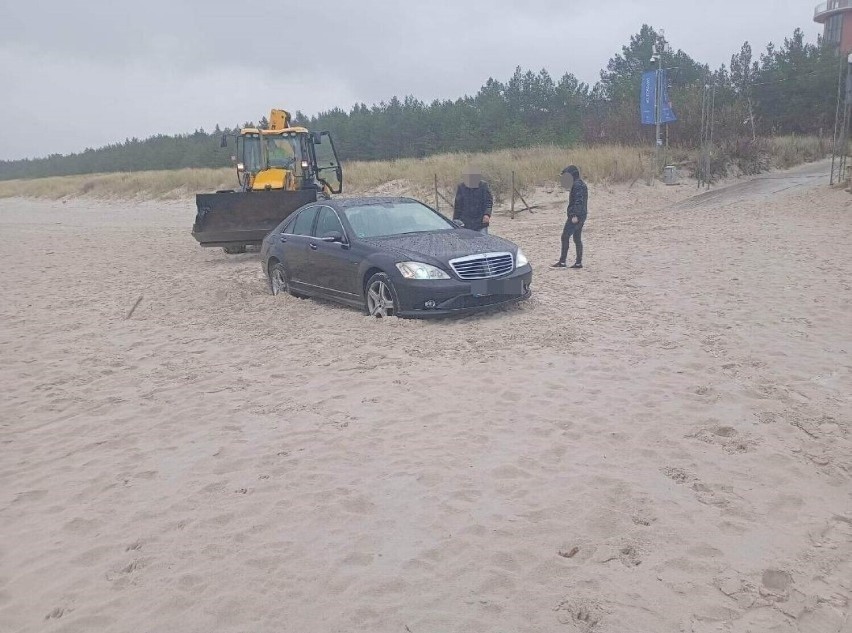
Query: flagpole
658,107
659,100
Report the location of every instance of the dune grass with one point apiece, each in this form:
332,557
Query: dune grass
788,151
140,184
532,167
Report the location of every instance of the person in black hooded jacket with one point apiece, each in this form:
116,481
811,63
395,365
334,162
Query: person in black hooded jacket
578,210
474,202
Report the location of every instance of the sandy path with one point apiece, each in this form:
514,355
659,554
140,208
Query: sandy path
804,176
657,443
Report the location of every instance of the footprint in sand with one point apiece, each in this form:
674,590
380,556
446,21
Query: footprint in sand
719,495
715,495
677,475
726,437
127,570
57,613
629,556
626,553
837,530
584,614
776,581
190,582
767,417
643,517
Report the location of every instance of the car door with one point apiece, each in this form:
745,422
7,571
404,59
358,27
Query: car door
295,247
333,264
329,171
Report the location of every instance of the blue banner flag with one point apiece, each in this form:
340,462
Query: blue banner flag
648,99
667,114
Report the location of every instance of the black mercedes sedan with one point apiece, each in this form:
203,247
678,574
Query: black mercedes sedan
392,257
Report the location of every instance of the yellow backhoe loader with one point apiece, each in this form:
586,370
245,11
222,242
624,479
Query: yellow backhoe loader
279,169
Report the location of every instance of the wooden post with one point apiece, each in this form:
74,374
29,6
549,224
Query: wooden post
527,206
513,196
437,205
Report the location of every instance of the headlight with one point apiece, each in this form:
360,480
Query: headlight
418,270
521,259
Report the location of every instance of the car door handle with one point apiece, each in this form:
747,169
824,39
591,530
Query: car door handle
313,246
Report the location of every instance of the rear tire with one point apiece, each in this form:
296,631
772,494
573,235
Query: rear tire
278,283
380,298
235,250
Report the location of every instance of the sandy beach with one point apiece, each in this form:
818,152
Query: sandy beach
657,443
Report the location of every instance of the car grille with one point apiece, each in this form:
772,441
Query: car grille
483,266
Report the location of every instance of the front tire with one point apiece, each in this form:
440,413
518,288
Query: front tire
239,249
380,298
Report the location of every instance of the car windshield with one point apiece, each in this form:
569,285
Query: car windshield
394,218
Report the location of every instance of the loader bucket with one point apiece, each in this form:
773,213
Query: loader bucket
240,218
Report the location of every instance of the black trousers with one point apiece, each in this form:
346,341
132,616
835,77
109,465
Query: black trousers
575,230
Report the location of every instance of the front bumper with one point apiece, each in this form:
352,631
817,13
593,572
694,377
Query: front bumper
433,298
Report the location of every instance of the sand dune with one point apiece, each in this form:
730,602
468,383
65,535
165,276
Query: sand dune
660,442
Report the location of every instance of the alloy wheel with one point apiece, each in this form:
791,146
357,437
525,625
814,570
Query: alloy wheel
278,281
380,300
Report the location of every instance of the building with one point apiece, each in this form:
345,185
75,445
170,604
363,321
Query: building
836,15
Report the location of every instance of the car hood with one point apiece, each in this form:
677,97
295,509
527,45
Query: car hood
440,245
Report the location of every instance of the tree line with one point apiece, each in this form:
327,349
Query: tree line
786,89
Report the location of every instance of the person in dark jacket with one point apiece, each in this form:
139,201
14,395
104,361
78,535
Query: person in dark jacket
473,203
578,210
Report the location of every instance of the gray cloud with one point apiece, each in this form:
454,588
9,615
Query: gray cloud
84,74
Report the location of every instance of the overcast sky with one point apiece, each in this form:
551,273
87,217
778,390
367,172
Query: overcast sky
84,73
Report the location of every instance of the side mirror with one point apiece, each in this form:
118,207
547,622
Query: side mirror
459,223
224,141
333,237
317,138
240,167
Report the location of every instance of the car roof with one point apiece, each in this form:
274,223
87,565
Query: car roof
345,203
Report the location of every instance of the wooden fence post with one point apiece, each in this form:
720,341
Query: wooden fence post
437,205
439,196
513,195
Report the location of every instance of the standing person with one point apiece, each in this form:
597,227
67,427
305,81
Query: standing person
578,210
474,203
